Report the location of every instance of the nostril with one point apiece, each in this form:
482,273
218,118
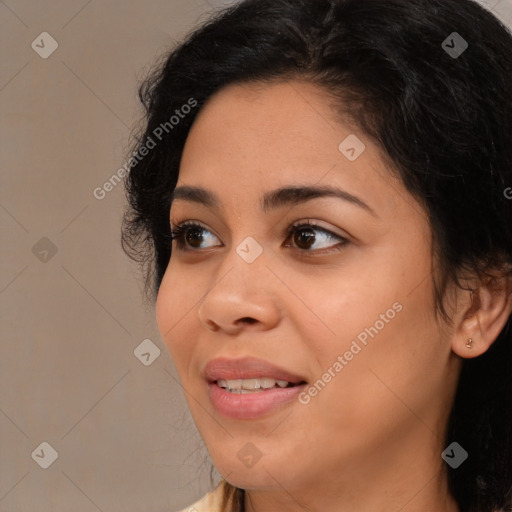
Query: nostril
248,320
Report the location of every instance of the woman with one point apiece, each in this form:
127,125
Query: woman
319,199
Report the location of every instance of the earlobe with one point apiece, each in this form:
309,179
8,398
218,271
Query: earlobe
490,307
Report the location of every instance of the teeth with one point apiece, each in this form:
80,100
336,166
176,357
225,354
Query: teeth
244,386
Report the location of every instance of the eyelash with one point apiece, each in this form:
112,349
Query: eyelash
179,232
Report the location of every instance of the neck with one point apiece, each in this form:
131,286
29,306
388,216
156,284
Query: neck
412,483
433,496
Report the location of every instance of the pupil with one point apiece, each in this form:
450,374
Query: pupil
306,237
194,235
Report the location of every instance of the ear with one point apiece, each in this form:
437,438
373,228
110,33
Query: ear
484,315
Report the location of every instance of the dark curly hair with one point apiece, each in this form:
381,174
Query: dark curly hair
443,121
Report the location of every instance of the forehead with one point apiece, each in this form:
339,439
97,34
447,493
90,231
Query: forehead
250,138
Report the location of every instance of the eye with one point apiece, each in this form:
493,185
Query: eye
189,234
304,237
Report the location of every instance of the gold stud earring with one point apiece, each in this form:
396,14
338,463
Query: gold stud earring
468,343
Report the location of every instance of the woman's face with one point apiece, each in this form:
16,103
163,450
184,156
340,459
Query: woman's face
343,306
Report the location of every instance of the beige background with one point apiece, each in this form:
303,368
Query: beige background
70,321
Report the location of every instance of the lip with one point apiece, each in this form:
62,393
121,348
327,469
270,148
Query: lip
252,405
246,368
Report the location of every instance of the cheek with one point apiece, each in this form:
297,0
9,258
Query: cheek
379,319
344,306
174,302
387,359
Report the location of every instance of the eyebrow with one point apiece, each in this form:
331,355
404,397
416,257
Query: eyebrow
280,197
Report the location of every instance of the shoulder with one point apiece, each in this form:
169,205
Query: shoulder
210,502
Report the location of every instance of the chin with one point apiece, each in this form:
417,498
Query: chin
266,473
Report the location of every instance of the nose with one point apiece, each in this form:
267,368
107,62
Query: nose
243,296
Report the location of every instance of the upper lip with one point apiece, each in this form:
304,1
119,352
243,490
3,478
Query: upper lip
246,368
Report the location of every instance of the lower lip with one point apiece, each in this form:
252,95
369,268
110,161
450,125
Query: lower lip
251,405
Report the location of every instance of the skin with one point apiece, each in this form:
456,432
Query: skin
372,438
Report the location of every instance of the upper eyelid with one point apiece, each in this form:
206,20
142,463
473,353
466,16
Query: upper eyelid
294,225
